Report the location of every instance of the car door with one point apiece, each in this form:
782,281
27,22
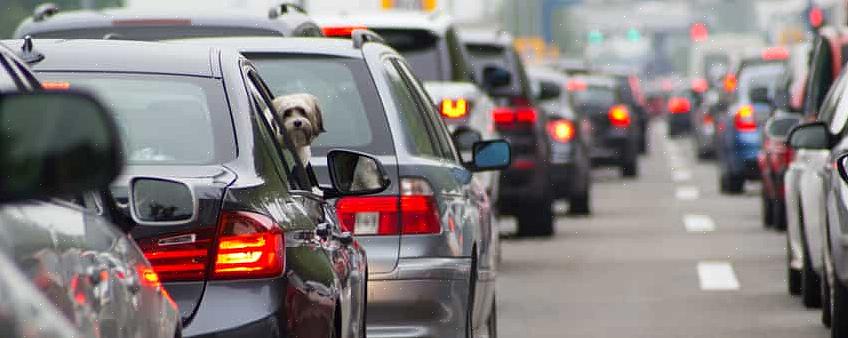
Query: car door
317,264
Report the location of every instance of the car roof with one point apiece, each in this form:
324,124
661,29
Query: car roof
322,46
107,17
436,22
546,73
122,56
486,37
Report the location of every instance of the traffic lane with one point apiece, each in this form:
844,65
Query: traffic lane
631,269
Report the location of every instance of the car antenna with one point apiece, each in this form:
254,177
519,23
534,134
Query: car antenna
28,52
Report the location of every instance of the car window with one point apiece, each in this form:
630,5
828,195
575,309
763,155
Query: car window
420,142
289,160
820,78
348,99
427,109
153,112
420,48
594,96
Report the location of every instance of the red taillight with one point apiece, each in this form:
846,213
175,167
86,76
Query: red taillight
561,130
507,116
744,120
340,31
180,256
708,119
619,116
249,246
454,109
730,83
776,53
700,85
576,85
413,212
679,105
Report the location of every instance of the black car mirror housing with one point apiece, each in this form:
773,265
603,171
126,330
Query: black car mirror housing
812,135
56,143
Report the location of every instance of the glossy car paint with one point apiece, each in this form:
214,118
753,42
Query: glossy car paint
307,299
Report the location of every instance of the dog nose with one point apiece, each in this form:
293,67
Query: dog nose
297,124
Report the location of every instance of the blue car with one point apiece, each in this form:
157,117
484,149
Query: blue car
739,130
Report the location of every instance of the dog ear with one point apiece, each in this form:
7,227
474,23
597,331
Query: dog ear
318,116
277,114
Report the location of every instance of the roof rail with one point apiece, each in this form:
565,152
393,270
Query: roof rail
361,36
44,11
284,8
28,52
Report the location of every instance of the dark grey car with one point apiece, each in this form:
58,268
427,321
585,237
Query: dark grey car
429,237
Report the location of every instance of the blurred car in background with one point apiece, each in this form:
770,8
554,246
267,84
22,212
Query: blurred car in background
679,110
630,92
88,269
615,138
738,136
571,66
702,125
570,134
803,182
49,22
526,190
773,160
233,190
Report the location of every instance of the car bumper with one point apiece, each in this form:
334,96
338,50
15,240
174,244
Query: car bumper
678,123
240,309
562,179
612,147
517,185
423,297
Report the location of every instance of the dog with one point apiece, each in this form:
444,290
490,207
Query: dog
300,116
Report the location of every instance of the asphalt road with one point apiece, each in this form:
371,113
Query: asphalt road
664,255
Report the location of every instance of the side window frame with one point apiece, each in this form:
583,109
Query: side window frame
388,63
298,180
7,67
436,126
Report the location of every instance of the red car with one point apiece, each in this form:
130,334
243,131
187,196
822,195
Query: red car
773,159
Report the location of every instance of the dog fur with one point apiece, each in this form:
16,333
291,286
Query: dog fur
300,116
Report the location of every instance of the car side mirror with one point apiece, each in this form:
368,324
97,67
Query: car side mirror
759,95
465,138
159,201
490,155
55,144
548,91
812,135
353,174
495,77
841,164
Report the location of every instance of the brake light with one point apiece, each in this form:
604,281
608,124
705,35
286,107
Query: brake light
503,116
561,130
730,83
576,85
708,119
341,31
454,109
775,54
55,85
744,119
679,105
413,212
619,116
179,256
507,116
249,246
525,114
700,85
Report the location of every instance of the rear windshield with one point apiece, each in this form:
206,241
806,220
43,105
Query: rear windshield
764,75
419,47
352,112
593,96
781,127
162,119
153,33
483,55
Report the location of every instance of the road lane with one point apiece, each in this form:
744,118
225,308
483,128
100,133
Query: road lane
630,270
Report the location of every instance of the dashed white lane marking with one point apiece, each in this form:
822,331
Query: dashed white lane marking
681,175
687,193
717,276
698,223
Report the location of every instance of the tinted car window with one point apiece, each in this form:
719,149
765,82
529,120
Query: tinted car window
483,55
416,127
820,77
163,119
353,115
760,75
594,96
419,47
781,127
153,33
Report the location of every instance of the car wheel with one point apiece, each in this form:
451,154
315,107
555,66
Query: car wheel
826,300
778,209
810,285
767,210
731,184
630,167
838,310
492,322
578,205
537,219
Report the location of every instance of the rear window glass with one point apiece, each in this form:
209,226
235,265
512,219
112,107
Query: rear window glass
764,75
153,33
419,47
352,112
162,119
594,96
483,55
781,127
